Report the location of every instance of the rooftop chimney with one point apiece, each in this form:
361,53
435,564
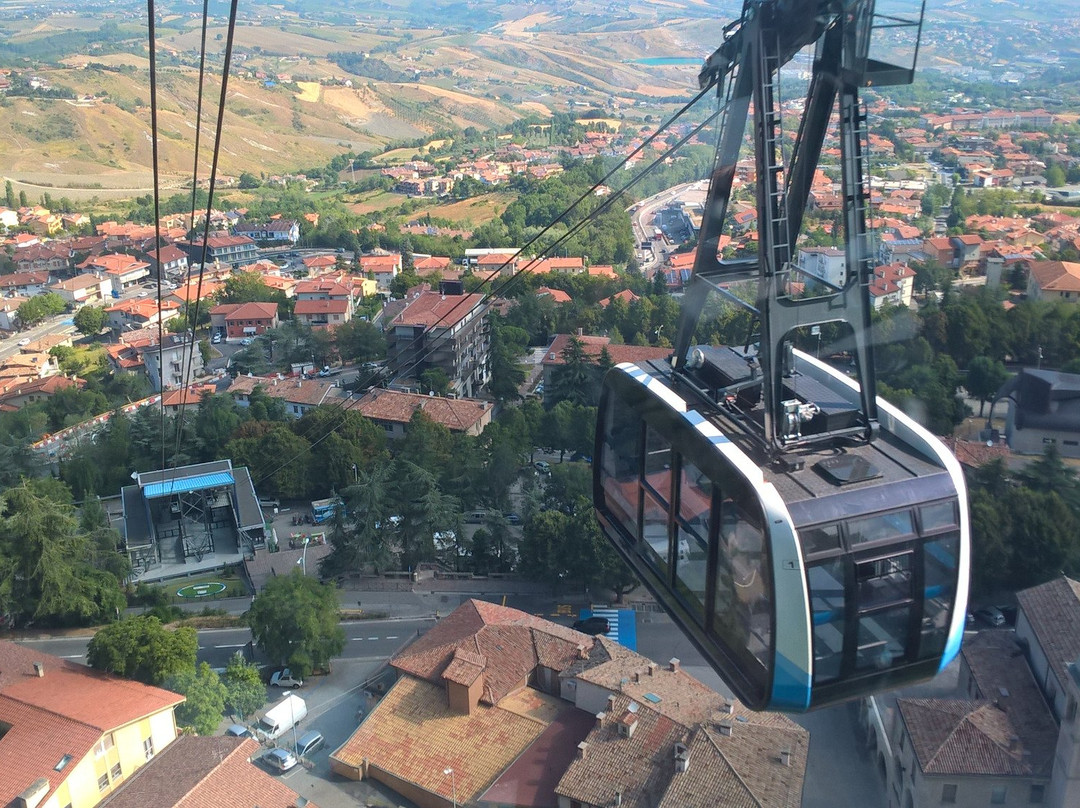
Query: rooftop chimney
729,708
682,757
652,668
39,669
636,676
785,757
673,664
581,747
600,720
725,728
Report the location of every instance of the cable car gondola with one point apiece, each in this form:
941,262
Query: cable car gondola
810,539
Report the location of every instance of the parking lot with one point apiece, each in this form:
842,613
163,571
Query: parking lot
334,702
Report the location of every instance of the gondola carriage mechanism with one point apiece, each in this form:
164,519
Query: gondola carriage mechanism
811,539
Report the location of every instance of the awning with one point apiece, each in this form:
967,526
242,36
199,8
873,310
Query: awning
183,485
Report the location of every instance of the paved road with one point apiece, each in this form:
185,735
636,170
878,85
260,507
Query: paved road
365,640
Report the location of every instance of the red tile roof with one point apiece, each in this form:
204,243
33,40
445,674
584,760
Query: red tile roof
594,345
430,309
505,640
213,772
35,744
250,311
456,414
311,307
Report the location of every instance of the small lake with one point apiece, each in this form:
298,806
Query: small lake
668,60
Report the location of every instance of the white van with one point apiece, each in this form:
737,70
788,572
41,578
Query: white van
282,717
475,517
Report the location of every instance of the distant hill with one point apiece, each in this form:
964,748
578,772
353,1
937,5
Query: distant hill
314,79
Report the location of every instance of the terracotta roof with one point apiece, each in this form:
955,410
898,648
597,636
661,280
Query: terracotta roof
36,742
213,772
315,261
45,343
76,691
508,642
456,414
1053,610
430,309
322,286
321,307
594,345
958,736
633,754
558,295
413,735
1002,676
250,311
45,386
311,392
84,281
1057,276
36,277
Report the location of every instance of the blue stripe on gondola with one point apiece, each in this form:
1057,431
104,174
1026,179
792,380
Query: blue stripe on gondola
791,686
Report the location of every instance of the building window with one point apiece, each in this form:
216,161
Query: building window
104,745
116,772
1037,795
148,747
997,795
948,793
103,782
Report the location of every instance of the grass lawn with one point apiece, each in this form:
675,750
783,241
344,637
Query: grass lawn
234,587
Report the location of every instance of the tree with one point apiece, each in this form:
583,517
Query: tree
984,378
90,320
49,571
294,620
9,195
141,648
37,308
204,702
244,688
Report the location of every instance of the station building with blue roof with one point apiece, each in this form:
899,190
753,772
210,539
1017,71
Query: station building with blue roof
183,515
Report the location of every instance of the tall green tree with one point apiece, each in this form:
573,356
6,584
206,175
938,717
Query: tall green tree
47,563
204,702
141,648
294,620
90,320
244,689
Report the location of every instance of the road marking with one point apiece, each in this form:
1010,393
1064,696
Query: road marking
392,637
74,656
240,645
373,638
356,638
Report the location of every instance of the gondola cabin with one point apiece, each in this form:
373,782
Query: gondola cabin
839,572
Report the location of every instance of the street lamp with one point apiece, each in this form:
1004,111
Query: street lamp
453,783
303,556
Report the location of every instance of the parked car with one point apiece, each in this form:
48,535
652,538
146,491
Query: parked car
216,338
991,615
284,678
513,518
245,341
280,759
592,625
309,742
542,467
239,731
